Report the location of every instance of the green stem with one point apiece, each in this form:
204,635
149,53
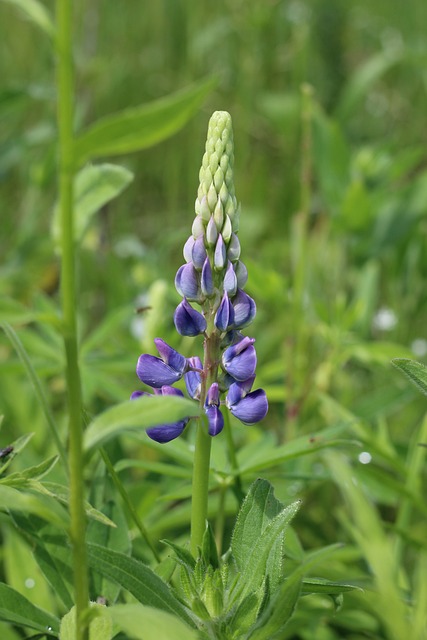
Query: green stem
202,453
199,503
65,112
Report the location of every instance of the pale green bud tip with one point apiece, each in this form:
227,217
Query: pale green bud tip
216,172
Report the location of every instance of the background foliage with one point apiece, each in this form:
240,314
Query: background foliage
328,102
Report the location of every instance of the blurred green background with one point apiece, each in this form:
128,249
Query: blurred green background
328,100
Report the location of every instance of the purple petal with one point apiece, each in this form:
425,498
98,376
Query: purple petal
244,309
193,378
154,372
252,408
233,250
174,359
166,432
220,254
230,280
207,279
241,274
212,396
215,420
186,281
224,316
238,347
188,248
240,362
138,394
188,321
167,390
199,252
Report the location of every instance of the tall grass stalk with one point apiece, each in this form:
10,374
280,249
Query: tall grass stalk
65,116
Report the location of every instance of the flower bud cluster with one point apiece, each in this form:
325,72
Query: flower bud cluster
213,277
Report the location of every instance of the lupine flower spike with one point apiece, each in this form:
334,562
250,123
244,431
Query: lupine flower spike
213,280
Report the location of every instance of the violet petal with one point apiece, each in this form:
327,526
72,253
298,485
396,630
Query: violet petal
166,432
199,252
154,372
174,359
252,408
188,321
244,309
215,420
206,281
224,316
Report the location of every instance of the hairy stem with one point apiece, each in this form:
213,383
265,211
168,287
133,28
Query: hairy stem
65,113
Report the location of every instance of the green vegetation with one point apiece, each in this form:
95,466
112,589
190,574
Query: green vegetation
328,104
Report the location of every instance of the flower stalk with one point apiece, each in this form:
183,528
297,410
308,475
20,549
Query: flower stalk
65,116
213,278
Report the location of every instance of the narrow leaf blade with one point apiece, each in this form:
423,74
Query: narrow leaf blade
140,127
137,578
16,609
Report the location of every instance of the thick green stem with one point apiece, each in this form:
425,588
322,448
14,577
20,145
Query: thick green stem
202,453
65,75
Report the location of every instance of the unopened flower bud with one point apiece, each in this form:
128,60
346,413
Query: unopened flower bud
211,232
241,274
206,280
198,227
227,230
198,254
220,254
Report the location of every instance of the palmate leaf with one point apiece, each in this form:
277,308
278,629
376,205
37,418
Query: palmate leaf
136,415
136,578
16,609
140,127
258,539
415,371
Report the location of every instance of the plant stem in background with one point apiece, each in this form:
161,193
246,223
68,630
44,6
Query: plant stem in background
65,111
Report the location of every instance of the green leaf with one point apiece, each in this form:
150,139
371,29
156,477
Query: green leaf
146,623
100,626
16,609
94,186
415,371
138,414
116,538
37,13
183,555
31,473
259,538
137,578
140,127
275,616
321,585
41,505
263,455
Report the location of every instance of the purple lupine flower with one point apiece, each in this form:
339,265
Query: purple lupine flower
206,280
212,410
193,378
186,282
224,317
214,277
248,406
244,309
239,360
188,321
157,372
